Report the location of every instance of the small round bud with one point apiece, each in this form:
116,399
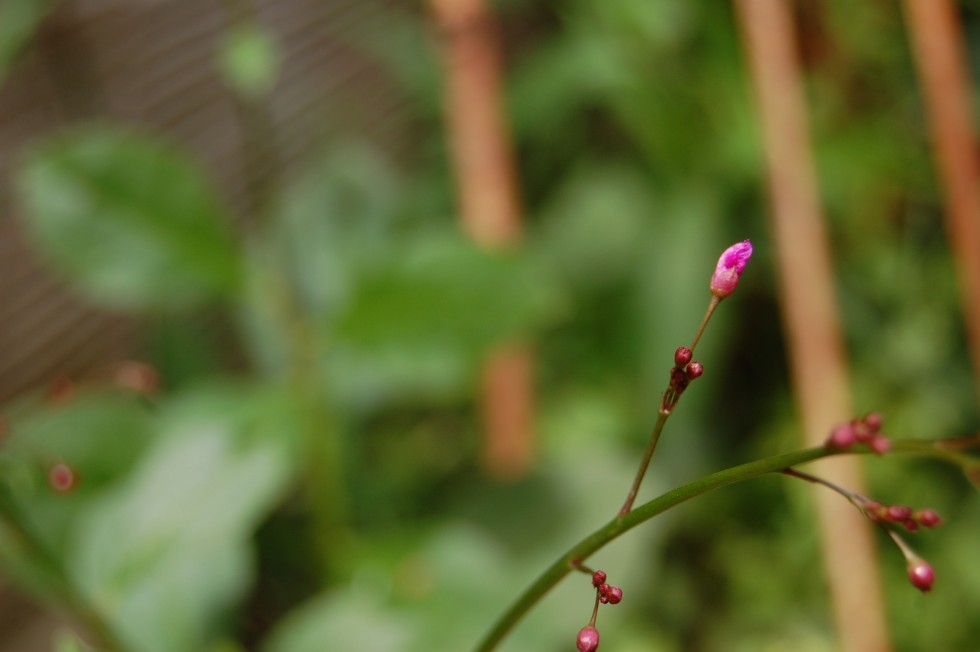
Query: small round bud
843,436
614,595
598,578
588,639
921,575
897,513
694,370
879,444
604,593
678,379
927,518
682,356
872,421
61,477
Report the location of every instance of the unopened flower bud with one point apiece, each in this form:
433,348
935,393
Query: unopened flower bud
927,518
879,444
614,595
921,575
843,436
897,513
682,356
588,639
598,578
694,370
61,477
729,268
873,421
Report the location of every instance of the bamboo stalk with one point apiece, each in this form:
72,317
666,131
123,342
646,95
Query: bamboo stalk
939,51
489,207
816,349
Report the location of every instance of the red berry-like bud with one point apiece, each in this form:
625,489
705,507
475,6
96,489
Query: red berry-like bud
843,436
694,370
927,518
598,578
61,477
897,513
921,575
614,595
682,356
588,639
604,593
879,444
872,421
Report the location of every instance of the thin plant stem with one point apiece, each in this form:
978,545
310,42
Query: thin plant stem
662,416
704,322
658,428
572,558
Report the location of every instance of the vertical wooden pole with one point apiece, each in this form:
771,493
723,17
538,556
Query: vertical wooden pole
483,162
816,349
940,57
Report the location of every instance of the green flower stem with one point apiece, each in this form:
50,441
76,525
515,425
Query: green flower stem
574,557
645,462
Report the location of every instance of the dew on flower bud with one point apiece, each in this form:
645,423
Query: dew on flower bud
694,370
682,356
588,639
61,477
921,575
843,436
598,578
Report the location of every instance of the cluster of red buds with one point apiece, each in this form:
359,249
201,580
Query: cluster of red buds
865,430
681,374
902,515
588,636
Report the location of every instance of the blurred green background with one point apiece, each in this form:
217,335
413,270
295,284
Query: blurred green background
307,478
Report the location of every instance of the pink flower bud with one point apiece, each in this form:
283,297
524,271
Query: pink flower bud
588,639
927,518
843,436
61,477
729,268
614,595
598,577
694,370
682,356
921,575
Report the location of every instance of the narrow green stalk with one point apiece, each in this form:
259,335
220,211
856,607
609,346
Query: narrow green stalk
704,321
574,556
645,462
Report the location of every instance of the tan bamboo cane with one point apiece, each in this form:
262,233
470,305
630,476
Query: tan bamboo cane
939,51
816,349
489,206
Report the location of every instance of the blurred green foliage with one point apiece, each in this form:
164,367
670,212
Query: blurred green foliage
326,494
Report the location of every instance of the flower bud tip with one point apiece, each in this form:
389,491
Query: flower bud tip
730,266
588,639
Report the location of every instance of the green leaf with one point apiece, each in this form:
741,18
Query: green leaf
168,554
249,60
422,319
19,19
128,220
